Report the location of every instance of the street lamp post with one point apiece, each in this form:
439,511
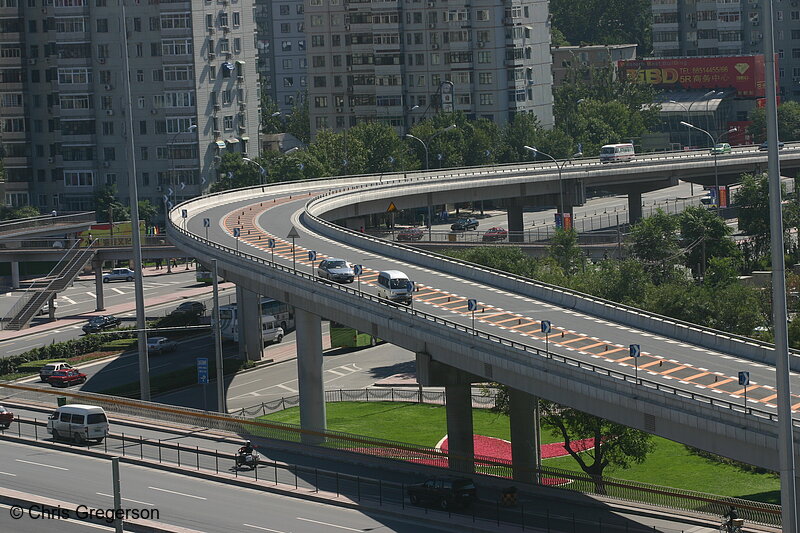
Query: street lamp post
427,165
260,168
714,142
688,118
533,150
689,112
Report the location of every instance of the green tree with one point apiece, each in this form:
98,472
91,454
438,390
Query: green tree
235,172
269,123
13,213
384,151
565,251
753,201
706,235
298,122
604,22
788,122
106,203
147,212
611,444
654,240
339,153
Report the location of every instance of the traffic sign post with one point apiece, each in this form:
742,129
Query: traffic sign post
202,377
635,353
546,329
744,380
236,233
271,245
293,235
411,288
358,270
312,258
472,305
206,224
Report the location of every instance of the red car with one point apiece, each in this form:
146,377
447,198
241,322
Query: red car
495,234
66,378
410,234
6,417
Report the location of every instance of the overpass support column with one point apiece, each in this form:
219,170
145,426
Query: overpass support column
52,307
240,333
14,274
97,265
525,438
309,375
516,226
249,312
634,207
460,442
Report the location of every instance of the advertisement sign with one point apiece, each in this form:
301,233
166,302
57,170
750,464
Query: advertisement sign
121,231
745,74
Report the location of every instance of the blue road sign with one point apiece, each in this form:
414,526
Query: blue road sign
744,378
546,326
202,370
312,255
411,286
271,243
635,350
184,213
206,222
472,304
358,270
236,232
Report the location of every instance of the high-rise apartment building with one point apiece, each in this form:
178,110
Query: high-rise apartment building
729,27
192,66
399,61
282,51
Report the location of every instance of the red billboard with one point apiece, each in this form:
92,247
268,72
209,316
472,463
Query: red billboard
743,73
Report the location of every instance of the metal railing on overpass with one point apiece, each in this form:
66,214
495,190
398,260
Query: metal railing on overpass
12,227
359,488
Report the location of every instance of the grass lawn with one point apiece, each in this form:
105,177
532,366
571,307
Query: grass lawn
669,465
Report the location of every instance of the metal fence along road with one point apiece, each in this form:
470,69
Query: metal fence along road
389,450
490,508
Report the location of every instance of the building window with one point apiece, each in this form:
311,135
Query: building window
227,122
78,178
486,99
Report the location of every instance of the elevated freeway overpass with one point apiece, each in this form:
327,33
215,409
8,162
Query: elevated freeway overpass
684,388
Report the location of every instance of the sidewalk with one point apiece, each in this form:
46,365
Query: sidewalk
148,272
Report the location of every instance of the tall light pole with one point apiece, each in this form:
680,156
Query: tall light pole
427,166
688,119
534,151
260,168
785,430
136,239
689,112
714,151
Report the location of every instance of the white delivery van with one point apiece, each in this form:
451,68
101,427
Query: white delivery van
616,152
395,286
80,423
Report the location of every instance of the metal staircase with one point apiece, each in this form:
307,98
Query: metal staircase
41,291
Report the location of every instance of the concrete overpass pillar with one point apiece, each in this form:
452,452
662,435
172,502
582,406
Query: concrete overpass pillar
97,265
14,274
516,226
309,375
634,206
526,448
240,334
249,317
460,440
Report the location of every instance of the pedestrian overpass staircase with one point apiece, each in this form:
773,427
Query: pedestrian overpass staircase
42,291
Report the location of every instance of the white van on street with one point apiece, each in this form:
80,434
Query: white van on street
80,423
617,152
395,286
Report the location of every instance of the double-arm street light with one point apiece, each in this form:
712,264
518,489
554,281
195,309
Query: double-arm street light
425,146
559,166
260,168
714,142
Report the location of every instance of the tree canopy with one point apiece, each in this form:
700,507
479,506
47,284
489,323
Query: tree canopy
604,22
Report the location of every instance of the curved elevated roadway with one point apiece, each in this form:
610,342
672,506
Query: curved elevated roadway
685,387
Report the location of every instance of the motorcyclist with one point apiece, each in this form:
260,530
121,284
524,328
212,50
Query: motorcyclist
731,515
247,449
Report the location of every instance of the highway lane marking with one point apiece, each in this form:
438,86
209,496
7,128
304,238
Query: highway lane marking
68,300
125,499
41,464
285,387
117,290
178,493
8,474
93,295
328,524
243,384
264,528
24,348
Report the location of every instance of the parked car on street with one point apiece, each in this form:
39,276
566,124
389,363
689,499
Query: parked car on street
47,370
336,270
119,274
444,492
194,308
45,310
67,378
721,148
410,234
464,224
6,417
160,345
100,323
495,234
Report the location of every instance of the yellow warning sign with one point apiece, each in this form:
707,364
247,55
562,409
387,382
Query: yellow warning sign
392,208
